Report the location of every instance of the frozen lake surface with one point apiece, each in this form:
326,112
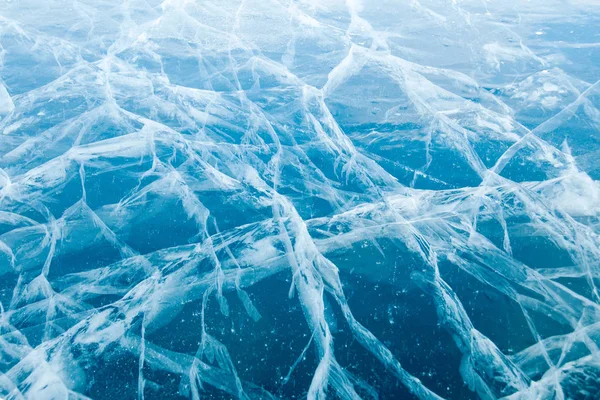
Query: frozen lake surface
215,199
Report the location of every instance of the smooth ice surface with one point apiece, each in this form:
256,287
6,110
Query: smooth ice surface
309,198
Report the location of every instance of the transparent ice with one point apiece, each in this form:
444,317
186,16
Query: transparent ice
215,199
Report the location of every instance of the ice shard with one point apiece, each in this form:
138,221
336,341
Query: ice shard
286,199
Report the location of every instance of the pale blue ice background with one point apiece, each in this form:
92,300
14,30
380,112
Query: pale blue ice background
299,199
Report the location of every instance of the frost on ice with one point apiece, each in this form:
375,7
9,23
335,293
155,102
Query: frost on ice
299,199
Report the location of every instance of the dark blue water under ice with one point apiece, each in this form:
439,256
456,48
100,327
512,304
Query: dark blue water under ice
299,199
